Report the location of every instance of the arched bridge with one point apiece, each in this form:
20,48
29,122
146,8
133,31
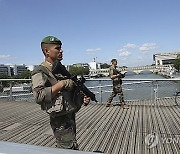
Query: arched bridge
137,70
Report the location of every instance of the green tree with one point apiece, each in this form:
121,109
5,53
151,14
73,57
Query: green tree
177,63
24,75
79,70
105,65
4,83
3,76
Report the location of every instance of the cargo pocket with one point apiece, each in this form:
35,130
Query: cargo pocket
64,137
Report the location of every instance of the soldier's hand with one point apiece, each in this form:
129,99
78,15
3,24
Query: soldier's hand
86,100
67,84
118,75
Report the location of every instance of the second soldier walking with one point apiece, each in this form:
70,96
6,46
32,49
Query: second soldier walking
116,77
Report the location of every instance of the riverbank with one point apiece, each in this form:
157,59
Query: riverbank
169,75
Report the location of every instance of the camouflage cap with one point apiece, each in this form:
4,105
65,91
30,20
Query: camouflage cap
51,40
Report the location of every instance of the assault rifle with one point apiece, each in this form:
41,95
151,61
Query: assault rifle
58,68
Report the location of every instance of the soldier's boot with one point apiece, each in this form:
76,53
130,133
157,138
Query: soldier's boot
109,104
124,105
75,146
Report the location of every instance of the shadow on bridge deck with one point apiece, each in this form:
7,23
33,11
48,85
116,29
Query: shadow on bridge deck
111,130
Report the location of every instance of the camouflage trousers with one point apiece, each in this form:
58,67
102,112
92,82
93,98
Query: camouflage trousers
64,129
117,90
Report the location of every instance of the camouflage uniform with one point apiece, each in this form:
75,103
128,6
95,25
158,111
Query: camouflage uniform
117,89
61,108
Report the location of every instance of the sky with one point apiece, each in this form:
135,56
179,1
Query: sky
129,30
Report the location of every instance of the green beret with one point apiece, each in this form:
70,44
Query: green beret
51,40
113,60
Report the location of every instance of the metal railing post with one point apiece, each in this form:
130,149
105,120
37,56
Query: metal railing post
100,91
152,90
157,86
155,89
10,92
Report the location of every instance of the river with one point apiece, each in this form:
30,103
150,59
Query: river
136,90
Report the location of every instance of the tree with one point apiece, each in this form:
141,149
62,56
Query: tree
3,83
79,70
177,63
24,75
105,65
3,76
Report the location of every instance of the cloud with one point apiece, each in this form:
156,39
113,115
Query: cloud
93,50
147,47
130,45
122,50
5,57
124,53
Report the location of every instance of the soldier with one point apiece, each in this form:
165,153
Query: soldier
116,76
56,96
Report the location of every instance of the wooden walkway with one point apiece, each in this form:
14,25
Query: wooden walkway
146,127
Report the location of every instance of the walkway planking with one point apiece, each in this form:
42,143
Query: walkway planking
112,130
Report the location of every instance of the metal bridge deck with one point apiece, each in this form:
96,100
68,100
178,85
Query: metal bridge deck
112,130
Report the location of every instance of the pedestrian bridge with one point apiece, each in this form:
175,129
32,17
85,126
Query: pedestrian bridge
137,70
149,126
145,127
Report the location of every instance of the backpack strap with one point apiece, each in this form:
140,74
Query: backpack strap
44,70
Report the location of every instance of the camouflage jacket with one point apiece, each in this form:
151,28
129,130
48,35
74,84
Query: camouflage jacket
114,71
62,103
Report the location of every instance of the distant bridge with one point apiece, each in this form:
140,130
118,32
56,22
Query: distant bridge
137,70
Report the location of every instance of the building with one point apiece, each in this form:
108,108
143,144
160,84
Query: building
81,65
165,58
94,65
31,67
18,69
5,69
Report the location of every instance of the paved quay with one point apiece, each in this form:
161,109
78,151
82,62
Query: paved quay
146,127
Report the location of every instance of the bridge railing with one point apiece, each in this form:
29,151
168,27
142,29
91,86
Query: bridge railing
136,89
16,89
133,89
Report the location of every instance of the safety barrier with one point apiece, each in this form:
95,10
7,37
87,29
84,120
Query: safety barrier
133,89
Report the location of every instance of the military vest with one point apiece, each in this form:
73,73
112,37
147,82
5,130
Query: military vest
64,102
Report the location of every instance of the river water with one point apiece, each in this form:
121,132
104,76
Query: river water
136,90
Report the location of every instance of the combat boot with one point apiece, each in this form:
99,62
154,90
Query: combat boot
109,105
124,105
